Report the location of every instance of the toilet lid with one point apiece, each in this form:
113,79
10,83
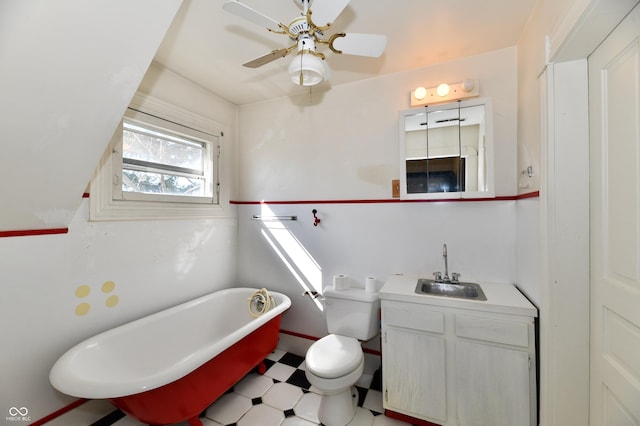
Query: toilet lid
334,356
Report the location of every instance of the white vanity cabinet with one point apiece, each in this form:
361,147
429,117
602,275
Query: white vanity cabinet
459,362
414,360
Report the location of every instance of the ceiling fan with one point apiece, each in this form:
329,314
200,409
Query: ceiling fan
307,31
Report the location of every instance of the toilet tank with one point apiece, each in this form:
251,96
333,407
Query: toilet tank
353,312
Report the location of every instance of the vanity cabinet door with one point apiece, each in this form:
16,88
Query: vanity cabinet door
492,385
414,376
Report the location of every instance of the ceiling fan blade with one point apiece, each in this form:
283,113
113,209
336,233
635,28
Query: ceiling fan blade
269,57
358,44
325,12
239,9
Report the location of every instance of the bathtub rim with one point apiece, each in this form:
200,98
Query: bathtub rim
65,379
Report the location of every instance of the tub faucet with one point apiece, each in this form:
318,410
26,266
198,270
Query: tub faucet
446,264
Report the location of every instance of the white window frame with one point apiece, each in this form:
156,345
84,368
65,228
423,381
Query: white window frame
107,201
208,141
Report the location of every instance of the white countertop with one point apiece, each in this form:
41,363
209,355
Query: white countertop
504,298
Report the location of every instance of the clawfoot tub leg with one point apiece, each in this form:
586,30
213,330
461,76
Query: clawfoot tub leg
195,421
262,368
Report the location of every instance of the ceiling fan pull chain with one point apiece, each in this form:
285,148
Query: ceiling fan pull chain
301,67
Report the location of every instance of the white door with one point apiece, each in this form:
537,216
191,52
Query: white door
614,104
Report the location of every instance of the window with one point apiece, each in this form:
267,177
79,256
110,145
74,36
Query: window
162,162
158,162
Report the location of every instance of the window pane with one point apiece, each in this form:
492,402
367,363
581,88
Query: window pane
147,145
161,183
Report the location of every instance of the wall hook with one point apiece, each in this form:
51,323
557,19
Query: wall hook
316,219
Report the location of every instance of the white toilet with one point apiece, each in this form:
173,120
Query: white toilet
335,362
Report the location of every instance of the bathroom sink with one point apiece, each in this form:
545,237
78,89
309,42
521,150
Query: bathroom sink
459,290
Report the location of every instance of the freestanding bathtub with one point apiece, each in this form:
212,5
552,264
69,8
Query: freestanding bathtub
169,366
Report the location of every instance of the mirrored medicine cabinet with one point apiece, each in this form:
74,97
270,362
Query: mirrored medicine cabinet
446,151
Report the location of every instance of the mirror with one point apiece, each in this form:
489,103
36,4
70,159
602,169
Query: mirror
447,151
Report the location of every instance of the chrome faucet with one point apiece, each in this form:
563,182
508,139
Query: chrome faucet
438,277
446,264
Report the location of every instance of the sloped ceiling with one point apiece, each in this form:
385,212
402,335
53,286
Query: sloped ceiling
69,69
209,46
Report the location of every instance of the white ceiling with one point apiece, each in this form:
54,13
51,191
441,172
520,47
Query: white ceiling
208,45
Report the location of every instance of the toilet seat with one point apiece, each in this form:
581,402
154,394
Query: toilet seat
334,356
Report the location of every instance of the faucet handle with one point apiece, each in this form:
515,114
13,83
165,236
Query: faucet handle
455,276
437,276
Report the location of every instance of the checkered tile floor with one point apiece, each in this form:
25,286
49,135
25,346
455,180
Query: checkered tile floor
285,396
282,396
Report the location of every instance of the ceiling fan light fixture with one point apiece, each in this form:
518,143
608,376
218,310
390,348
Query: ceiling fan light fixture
310,67
308,30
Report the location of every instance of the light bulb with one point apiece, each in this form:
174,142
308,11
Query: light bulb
468,85
443,89
420,93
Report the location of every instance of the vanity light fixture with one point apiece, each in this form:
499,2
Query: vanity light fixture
445,92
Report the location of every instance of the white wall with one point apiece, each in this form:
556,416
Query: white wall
528,248
69,69
153,264
377,239
531,62
344,146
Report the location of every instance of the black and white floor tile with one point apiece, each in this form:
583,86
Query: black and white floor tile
282,396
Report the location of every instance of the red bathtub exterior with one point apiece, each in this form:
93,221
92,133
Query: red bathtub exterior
187,397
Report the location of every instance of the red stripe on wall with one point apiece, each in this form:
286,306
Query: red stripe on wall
534,194
30,232
306,336
391,200
296,334
58,413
